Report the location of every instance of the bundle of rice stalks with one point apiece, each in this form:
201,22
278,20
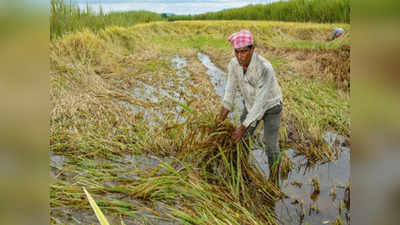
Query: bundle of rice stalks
215,184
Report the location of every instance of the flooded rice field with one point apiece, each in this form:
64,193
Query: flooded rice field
120,170
313,194
318,193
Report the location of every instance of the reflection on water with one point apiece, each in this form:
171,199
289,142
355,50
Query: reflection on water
56,163
335,141
143,162
131,166
174,88
183,76
180,63
125,166
217,76
259,160
148,91
303,204
218,79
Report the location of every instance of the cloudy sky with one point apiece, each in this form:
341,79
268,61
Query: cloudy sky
168,6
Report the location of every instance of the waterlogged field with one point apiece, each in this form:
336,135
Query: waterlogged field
133,121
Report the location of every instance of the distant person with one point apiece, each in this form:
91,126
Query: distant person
337,32
262,95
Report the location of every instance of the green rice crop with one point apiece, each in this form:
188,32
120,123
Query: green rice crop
67,17
320,11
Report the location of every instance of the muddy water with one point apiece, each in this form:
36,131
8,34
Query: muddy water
177,85
126,166
335,140
130,163
180,63
154,94
315,208
64,215
218,78
149,92
56,164
303,205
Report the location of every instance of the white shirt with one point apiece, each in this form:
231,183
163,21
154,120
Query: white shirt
258,86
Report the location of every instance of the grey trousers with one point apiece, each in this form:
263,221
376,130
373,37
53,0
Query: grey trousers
272,123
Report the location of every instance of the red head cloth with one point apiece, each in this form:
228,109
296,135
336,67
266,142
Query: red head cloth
241,39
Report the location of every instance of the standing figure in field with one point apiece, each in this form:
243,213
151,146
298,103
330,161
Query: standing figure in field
262,95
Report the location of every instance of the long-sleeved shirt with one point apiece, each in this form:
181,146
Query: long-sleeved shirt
258,86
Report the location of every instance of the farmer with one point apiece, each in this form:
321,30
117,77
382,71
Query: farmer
262,95
337,32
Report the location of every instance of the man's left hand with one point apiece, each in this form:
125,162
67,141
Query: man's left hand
238,133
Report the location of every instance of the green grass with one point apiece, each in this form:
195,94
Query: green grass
319,11
65,17
318,107
201,41
313,45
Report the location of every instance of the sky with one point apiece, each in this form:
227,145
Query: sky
180,7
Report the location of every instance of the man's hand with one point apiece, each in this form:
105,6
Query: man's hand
223,114
238,133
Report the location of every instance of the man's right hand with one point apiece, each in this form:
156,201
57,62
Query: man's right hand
223,114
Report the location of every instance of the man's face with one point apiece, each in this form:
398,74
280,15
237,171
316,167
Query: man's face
244,54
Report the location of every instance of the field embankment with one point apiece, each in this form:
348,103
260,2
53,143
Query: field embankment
66,17
133,120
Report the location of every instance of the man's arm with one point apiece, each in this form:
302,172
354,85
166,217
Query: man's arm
238,133
223,114
257,110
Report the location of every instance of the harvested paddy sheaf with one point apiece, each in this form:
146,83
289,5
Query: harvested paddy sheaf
133,121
